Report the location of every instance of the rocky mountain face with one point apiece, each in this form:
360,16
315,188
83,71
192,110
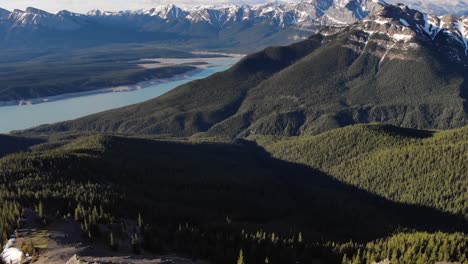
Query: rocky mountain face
34,18
304,13
397,66
236,27
447,34
233,25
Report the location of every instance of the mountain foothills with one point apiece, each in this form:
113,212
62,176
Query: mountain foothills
395,163
397,66
241,28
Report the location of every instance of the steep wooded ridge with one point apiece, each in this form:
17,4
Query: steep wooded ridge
210,199
397,66
404,165
199,105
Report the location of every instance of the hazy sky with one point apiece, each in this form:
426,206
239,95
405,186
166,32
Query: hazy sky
83,6
111,5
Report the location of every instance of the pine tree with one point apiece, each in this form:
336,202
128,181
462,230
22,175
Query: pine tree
112,243
394,258
140,221
273,237
345,259
94,216
240,260
40,210
299,238
77,213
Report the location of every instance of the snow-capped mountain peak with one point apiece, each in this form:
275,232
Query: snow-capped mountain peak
408,29
399,22
306,13
30,16
34,18
35,11
170,12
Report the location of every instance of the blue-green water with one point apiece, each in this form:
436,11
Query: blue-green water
26,116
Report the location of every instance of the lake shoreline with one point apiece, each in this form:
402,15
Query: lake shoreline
118,89
209,63
72,106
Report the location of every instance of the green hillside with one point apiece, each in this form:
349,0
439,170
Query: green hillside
410,248
349,147
403,165
205,199
307,88
344,83
197,106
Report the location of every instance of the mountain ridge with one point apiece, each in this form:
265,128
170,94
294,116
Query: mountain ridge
223,26
247,27
391,67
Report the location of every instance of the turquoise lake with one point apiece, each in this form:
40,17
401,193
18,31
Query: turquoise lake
26,116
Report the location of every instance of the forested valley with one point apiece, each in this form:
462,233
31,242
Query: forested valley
262,200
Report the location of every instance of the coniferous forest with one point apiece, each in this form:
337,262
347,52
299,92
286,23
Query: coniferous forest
262,200
143,136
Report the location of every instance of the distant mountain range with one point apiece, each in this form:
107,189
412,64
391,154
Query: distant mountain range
247,27
236,27
396,66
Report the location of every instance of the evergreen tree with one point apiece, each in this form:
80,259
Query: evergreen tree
140,221
299,239
40,210
112,243
240,259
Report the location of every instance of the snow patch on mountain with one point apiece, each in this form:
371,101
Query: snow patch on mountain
283,14
406,26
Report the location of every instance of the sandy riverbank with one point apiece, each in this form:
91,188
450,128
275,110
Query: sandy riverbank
153,63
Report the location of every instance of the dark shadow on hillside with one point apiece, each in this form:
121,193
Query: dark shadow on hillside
350,211
464,94
407,132
206,182
13,144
